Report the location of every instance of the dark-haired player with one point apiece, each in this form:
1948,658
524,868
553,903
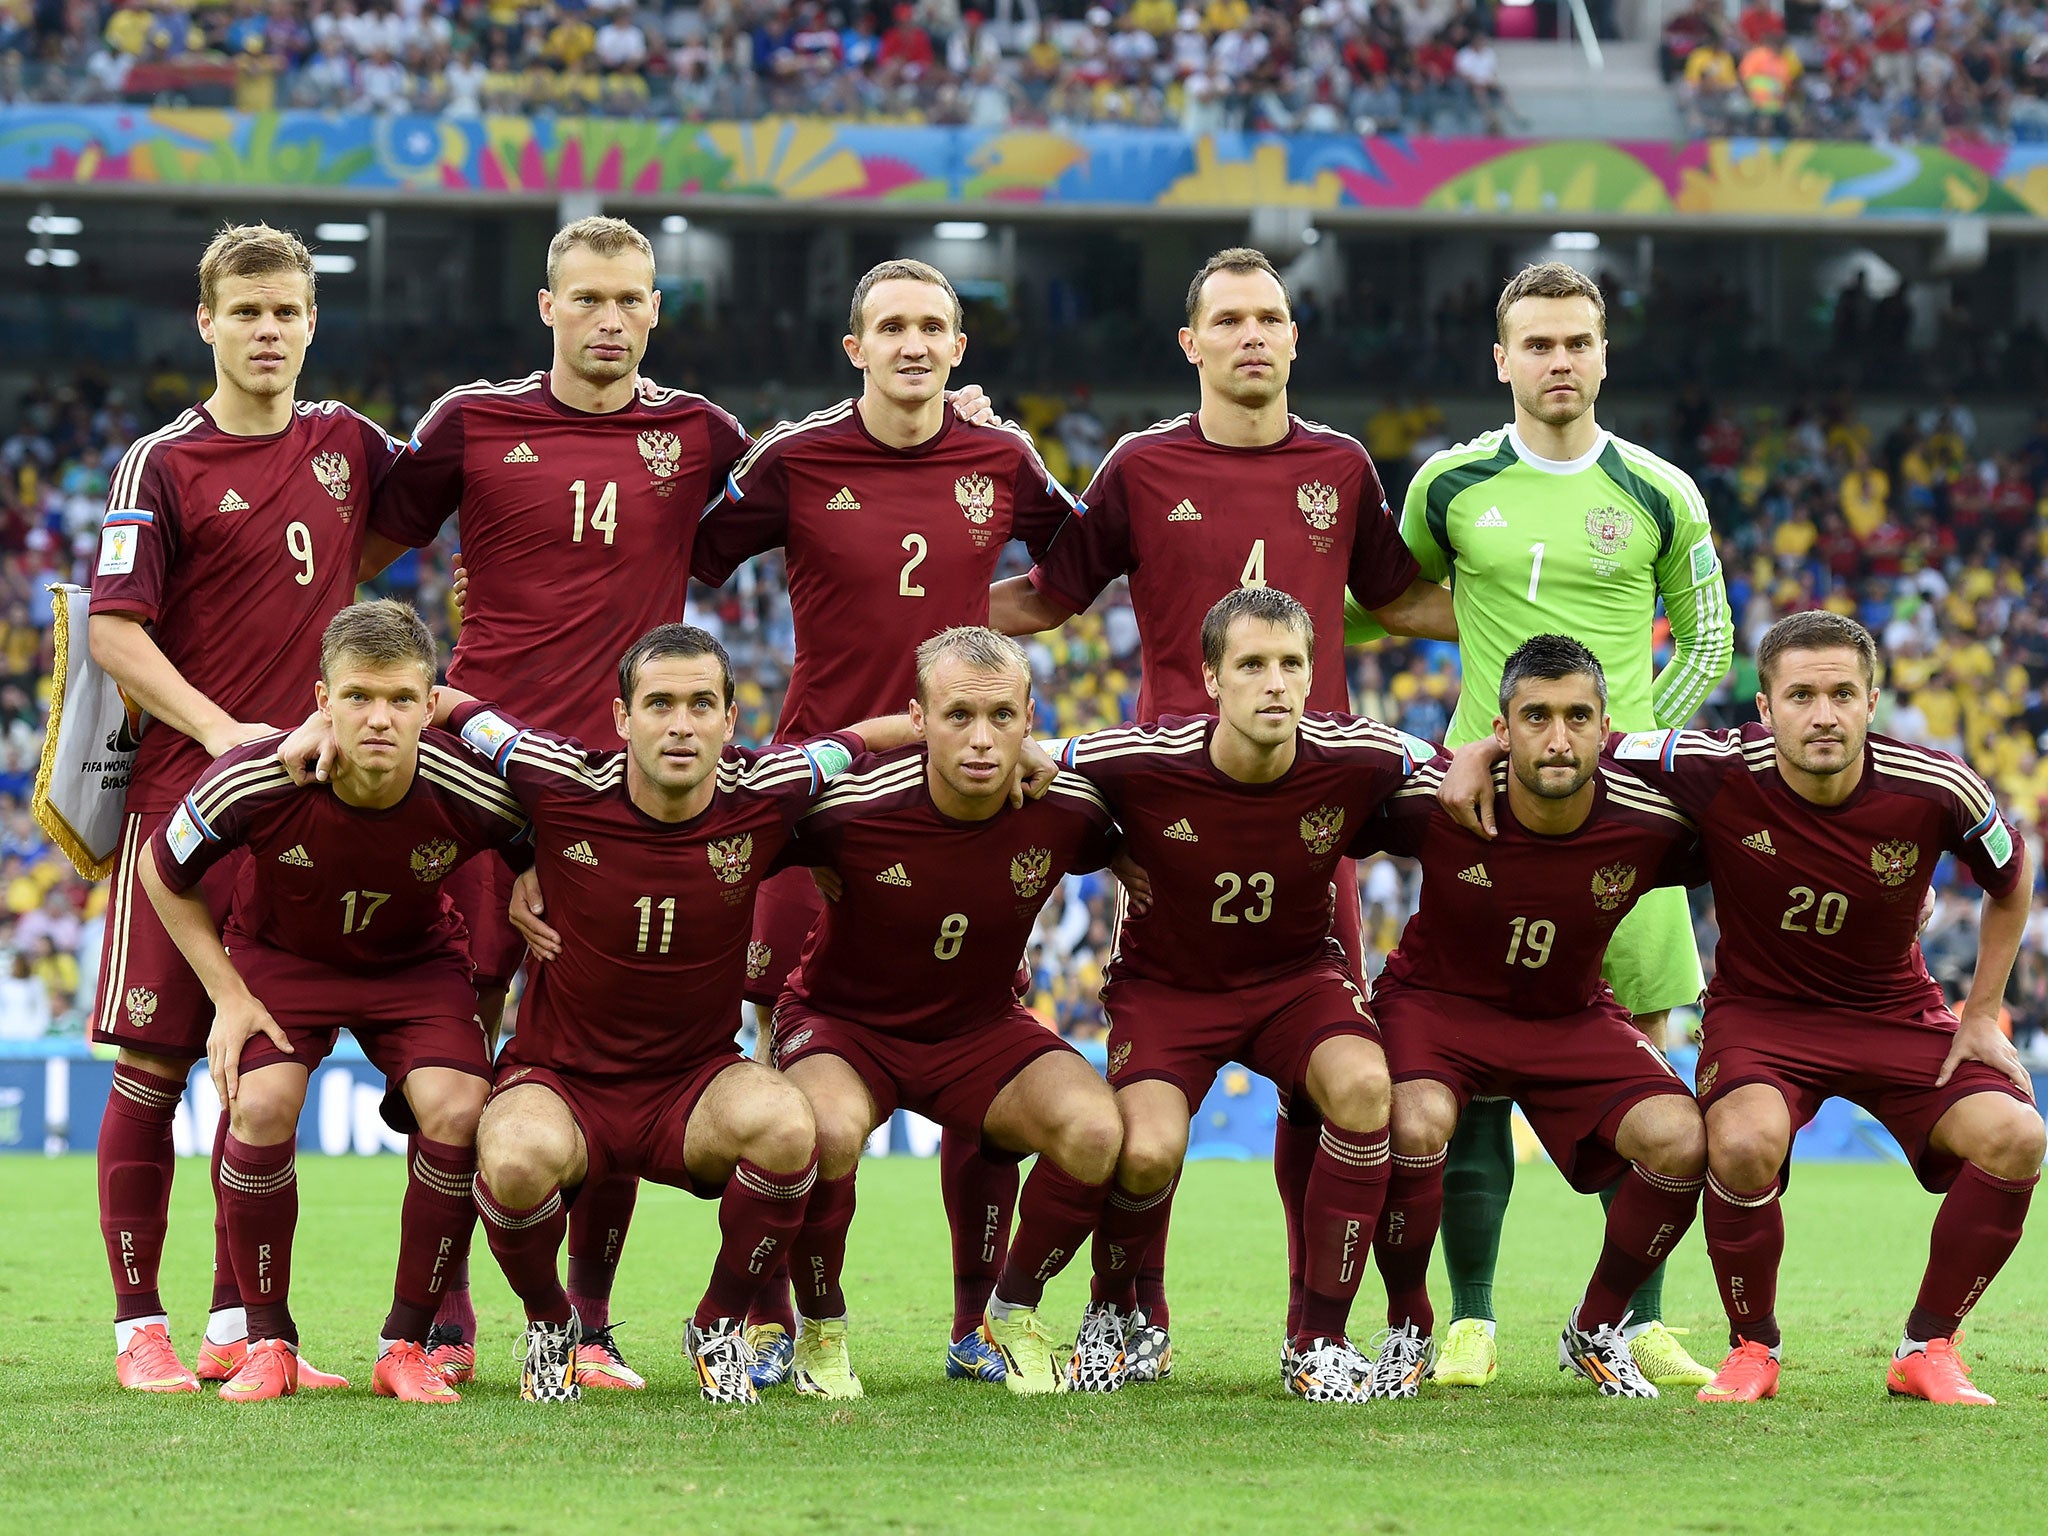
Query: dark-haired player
1821,840
342,921
891,513
904,995
1238,820
244,516
1496,989
1237,494
624,1063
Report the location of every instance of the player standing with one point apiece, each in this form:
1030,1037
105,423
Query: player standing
624,1062
1821,840
891,513
1496,989
905,994
246,515
1238,820
1553,523
576,491
1238,493
341,920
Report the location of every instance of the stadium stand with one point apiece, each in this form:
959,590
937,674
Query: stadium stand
1933,538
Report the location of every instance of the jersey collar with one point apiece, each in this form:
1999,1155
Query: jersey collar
1535,460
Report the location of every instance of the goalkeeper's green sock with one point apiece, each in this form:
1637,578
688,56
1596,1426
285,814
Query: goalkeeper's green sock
1647,1305
1478,1178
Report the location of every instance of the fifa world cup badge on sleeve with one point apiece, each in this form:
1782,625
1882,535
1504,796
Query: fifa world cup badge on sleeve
1642,746
117,549
184,834
490,735
1998,840
1704,560
830,759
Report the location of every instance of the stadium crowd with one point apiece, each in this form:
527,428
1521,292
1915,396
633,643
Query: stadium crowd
1879,70
1349,65
1932,537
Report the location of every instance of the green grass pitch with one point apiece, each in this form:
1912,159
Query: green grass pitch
1221,1448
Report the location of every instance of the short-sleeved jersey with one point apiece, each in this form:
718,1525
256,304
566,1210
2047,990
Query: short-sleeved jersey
1533,546
357,889
888,544
1190,520
212,538
925,939
1240,873
654,916
1821,904
1521,921
575,529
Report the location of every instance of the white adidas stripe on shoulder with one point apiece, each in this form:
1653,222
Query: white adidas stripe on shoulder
1484,446
1075,787
871,784
783,432
127,481
260,776
1321,430
1136,439
456,773
1037,461
477,389
1961,782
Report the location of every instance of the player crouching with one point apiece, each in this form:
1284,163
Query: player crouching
1495,990
624,1063
342,921
905,995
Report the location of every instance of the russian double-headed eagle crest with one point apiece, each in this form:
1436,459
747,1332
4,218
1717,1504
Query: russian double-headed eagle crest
1318,503
977,497
1894,863
332,471
1321,828
430,861
1028,870
731,857
1611,883
141,1007
662,453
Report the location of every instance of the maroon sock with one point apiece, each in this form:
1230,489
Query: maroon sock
434,1228
775,1303
1123,1236
1054,1217
1975,1232
1745,1242
597,1233
457,1309
135,1162
525,1242
1406,1235
1649,1215
226,1293
757,1216
1152,1268
1294,1154
260,1187
1346,1189
818,1252
981,1197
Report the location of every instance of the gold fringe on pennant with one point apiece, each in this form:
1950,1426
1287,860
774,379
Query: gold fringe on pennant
48,817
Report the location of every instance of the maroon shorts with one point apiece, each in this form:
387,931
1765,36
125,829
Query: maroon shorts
1184,1038
634,1126
481,890
1575,1076
1886,1065
784,908
148,998
952,1081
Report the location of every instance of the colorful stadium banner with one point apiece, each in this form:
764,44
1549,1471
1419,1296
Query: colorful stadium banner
793,159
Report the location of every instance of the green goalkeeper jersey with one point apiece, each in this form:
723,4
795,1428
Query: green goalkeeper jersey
1583,548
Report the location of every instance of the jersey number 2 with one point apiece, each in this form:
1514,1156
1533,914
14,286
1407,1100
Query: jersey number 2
905,587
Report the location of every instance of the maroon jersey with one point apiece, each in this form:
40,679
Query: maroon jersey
575,529
356,889
1190,520
1821,904
211,538
1521,922
1240,872
889,544
924,942
654,916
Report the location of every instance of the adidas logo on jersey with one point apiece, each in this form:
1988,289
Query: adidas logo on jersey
581,854
1181,832
296,856
1761,842
895,874
1476,875
1492,519
1184,513
845,501
522,455
233,503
